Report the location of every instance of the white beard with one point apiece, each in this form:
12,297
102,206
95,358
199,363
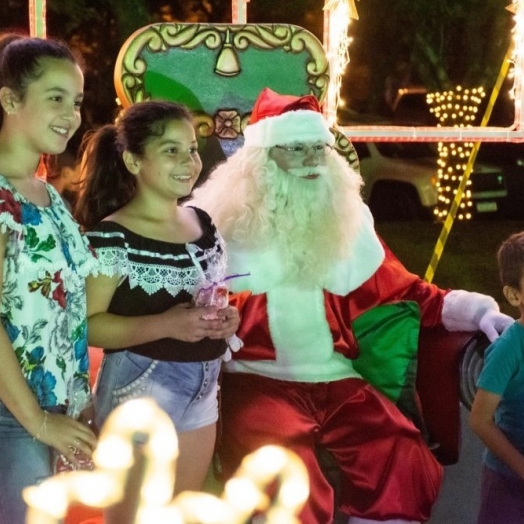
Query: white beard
312,223
308,224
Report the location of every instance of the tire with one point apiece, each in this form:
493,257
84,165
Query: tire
470,368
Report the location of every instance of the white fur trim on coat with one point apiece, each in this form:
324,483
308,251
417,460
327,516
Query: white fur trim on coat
266,270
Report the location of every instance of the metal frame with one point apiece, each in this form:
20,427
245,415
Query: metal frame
514,133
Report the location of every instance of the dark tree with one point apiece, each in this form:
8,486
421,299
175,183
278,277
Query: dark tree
435,44
304,13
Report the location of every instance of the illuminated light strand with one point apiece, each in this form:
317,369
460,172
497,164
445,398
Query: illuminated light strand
351,7
518,61
239,11
431,134
512,8
448,222
116,461
337,17
37,18
457,108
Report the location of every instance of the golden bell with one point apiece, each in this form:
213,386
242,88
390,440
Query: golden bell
227,61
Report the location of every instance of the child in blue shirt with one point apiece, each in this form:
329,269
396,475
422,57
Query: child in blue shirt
497,415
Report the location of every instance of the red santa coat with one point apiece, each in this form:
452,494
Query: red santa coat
306,335
390,283
293,382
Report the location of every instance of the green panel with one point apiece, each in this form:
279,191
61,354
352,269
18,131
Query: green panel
175,76
177,62
387,338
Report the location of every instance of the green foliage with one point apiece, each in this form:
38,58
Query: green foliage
70,15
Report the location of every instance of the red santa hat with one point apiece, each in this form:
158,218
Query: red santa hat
283,119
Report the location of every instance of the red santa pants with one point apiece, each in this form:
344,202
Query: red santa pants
387,470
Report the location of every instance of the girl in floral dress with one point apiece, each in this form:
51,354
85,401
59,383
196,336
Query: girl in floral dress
153,255
44,261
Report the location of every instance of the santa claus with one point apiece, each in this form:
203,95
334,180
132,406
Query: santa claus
290,210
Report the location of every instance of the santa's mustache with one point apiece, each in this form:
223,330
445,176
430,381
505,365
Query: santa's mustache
302,172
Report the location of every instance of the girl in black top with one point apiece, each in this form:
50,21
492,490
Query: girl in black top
153,255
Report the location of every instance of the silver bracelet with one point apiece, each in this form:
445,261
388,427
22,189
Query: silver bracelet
43,427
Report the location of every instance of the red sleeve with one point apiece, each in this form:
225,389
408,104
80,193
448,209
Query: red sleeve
391,283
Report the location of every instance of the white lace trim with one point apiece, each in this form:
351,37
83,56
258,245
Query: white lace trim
150,277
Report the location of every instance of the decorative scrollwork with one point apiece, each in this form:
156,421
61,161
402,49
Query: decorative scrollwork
204,124
345,148
228,124
160,38
190,36
263,36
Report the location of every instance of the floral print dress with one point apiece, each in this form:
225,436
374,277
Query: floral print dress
43,306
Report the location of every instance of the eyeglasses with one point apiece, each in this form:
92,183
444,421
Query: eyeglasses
303,151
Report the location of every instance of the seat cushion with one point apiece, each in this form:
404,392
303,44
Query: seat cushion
387,338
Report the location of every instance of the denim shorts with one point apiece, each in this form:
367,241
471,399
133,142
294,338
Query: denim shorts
186,391
23,462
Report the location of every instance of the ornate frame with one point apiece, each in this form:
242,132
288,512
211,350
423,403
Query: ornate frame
227,40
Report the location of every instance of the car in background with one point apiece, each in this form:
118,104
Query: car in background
509,157
400,181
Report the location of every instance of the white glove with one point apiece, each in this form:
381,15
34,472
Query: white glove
493,323
469,311
233,344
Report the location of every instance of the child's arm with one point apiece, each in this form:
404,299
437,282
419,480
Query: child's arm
183,321
483,424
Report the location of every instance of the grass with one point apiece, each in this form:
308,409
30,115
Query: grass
469,257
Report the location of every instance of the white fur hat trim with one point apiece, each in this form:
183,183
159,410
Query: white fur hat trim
288,128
